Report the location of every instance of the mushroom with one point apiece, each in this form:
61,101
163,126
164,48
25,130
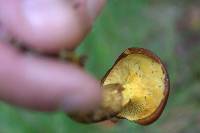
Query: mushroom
136,88
146,85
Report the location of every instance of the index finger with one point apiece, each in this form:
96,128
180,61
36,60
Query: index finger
45,84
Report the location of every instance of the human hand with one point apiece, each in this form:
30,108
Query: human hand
43,83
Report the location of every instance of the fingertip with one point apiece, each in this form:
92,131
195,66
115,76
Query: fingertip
86,100
45,26
49,26
66,85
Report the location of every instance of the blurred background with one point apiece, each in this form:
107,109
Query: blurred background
169,28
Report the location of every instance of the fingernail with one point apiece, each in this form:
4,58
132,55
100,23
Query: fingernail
72,103
94,7
76,103
85,100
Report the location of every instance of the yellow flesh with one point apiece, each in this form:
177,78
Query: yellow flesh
143,80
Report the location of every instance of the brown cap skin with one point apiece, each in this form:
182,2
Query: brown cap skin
152,118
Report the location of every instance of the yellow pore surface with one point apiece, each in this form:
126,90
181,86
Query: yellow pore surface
143,80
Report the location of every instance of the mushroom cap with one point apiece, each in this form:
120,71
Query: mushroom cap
146,85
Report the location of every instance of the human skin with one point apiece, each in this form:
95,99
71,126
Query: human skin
43,83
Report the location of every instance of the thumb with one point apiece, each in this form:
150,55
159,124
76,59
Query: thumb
49,25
